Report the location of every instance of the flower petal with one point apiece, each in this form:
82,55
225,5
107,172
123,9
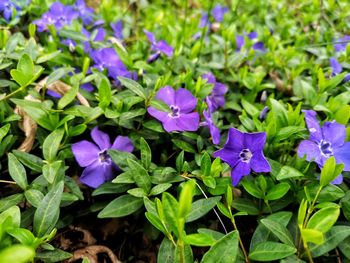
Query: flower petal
334,133
255,142
342,155
240,170
338,179
159,115
235,140
150,36
185,100
259,164
313,125
166,94
85,152
165,48
123,143
96,174
335,65
228,155
312,152
188,121
101,139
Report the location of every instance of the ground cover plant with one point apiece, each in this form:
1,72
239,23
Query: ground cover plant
174,131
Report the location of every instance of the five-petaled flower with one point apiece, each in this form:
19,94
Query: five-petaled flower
324,142
181,116
244,152
158,47
99,167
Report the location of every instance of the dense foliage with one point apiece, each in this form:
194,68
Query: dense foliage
174,131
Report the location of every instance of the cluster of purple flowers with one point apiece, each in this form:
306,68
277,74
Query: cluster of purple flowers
336,67
7,7
253,36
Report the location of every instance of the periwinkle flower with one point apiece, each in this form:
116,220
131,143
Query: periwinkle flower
214,131
324,142
244,152
117,28
158,47
7,7
107,58
218,12
341,43
181,116
337,69
99,167
58,15
85,13
240,42
216,98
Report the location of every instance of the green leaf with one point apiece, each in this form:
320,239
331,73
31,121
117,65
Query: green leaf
11,200
140,175
302,212
251,188
277,191
269,251
52,144
332,239
68,97
58,74
159,105
122,206
47,213
312,235
279,230
17,253
133,86
287,132
185,200
24,72
137,192
184,145
288,172
324,219
160,188
170,207
50,171
146,154
166,251
47,57
225,250
17,171
199,240
155,221
31,161
4,130
34,197
202,207
120,158
56,255
104,93
327,172
205,164
344,247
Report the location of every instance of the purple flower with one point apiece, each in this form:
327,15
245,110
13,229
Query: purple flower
325,142
85,13
218,12
107,58
99,167
217,97
59,15
258,46
181,116
117,28
342,43
7,6
204,20
158,47
244,152
214,131
337,69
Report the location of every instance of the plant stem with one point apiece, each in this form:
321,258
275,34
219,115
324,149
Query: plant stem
240,241
308,252
7,182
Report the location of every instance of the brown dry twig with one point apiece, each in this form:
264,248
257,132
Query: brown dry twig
27,124
91,253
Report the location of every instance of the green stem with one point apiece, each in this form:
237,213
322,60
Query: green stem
308,252
13,93
240,241
312,206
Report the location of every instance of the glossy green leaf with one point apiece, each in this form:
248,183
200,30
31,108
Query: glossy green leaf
140,175
52,144
201,207
146,153
279,230
17,171
133,86
269,251
122,206
277,191
324,219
